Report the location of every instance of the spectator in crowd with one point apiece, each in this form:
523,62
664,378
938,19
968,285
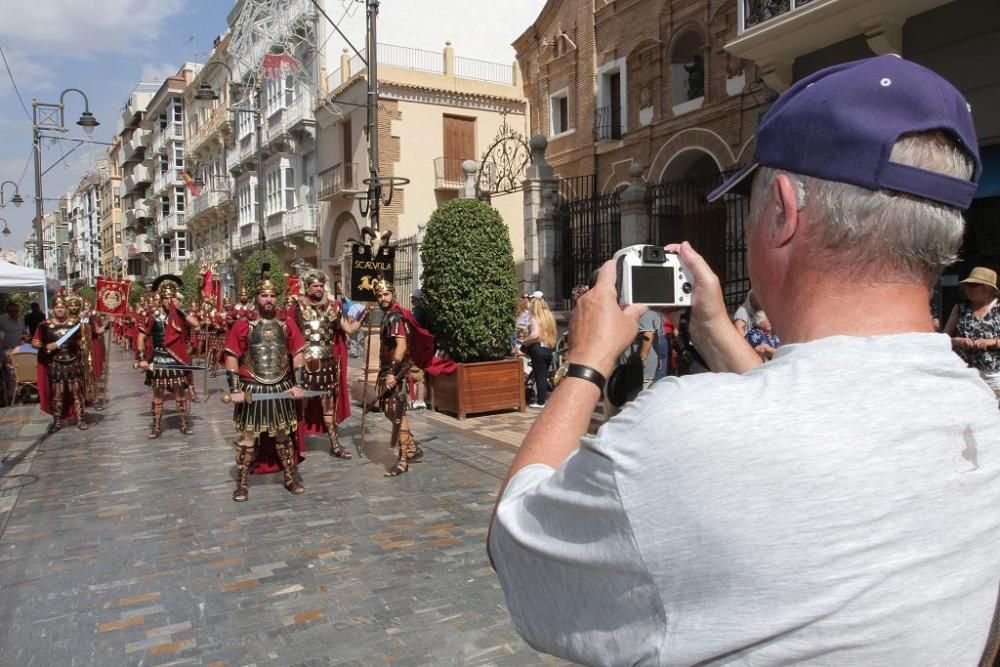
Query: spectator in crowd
538,343
760,336
417,377
836,505
11,328
743,317
974,325
33,318
664,349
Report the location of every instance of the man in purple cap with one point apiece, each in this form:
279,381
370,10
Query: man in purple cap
836,505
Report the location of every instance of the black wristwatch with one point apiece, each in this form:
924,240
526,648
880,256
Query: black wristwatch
584,373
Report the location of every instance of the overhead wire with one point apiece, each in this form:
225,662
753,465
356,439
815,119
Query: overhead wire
14,83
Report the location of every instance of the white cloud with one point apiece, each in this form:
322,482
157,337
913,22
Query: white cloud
83,29
158,72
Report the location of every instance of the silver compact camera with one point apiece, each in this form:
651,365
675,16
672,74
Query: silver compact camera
649,275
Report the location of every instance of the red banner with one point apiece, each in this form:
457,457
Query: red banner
192,186
292,286
112,296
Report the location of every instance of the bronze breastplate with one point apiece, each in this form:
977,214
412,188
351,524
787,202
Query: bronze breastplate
69,351
267,354
317,324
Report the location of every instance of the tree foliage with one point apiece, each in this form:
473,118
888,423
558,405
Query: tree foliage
469,281
136,292
250,272
191,277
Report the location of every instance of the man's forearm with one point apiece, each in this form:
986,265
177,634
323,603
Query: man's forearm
724,349
557,431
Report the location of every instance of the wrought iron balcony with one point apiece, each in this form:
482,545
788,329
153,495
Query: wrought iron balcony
608,123
758,11
448,174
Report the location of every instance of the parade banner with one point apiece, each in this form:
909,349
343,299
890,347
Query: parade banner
293,286
112,296
366,268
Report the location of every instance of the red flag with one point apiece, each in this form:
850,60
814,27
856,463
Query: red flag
112,296
292,286
194,189
207,284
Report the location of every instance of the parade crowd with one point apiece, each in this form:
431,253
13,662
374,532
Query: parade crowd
285,365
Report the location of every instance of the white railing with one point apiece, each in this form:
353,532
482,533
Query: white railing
209,198
422,60
338,178
215,122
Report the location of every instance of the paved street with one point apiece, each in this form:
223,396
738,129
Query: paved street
117,550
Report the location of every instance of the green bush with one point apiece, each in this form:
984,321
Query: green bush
469,281
250,272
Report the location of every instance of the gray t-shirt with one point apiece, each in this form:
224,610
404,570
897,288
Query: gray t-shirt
838,505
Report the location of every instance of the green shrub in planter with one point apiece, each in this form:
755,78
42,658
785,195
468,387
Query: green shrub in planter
250,272
469,282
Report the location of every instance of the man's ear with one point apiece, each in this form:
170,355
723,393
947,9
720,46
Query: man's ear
787,222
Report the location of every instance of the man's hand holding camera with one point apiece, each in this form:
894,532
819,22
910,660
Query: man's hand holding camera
601,329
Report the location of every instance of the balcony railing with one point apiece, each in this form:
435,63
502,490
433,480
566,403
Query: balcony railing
338,179
608,123
138,177
213,194
448,174
215,122
169,223
482,70
421,60
754,12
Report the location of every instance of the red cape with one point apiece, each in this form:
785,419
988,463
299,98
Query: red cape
422,347
44,392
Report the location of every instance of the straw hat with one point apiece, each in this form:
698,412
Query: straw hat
982,276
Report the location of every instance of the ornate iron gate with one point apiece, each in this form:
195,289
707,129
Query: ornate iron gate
588,229
679,211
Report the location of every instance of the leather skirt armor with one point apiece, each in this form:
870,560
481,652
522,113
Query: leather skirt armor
271,417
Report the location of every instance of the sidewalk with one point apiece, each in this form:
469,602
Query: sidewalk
118,550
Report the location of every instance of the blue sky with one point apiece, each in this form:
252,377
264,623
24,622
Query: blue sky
105,47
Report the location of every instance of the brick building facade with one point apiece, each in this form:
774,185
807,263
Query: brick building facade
612,82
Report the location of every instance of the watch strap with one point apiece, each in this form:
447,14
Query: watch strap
587,373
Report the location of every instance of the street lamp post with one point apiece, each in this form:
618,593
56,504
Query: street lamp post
17,200
207,94
48,116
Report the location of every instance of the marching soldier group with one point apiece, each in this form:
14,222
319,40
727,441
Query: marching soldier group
285,365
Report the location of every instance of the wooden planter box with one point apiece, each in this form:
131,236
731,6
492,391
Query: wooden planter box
486,386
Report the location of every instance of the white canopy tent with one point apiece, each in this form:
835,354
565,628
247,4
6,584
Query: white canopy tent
14,278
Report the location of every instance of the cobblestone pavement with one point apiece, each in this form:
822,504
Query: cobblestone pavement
117,550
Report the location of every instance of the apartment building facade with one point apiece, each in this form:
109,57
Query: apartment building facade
111,212
136,177
274,138
166,196
436,111
84,223
210,217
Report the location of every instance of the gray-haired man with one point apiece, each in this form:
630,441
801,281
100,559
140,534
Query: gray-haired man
836,505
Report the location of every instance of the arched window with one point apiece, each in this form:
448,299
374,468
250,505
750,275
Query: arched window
687,71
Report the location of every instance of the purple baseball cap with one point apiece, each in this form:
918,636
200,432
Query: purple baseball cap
840,124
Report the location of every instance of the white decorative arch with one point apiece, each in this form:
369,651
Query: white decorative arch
690,149
681,140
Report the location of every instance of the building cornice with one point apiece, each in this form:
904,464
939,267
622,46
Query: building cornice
429,95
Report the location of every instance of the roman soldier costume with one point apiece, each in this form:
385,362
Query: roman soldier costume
325,363
393,400
257,366
166,334
60,367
